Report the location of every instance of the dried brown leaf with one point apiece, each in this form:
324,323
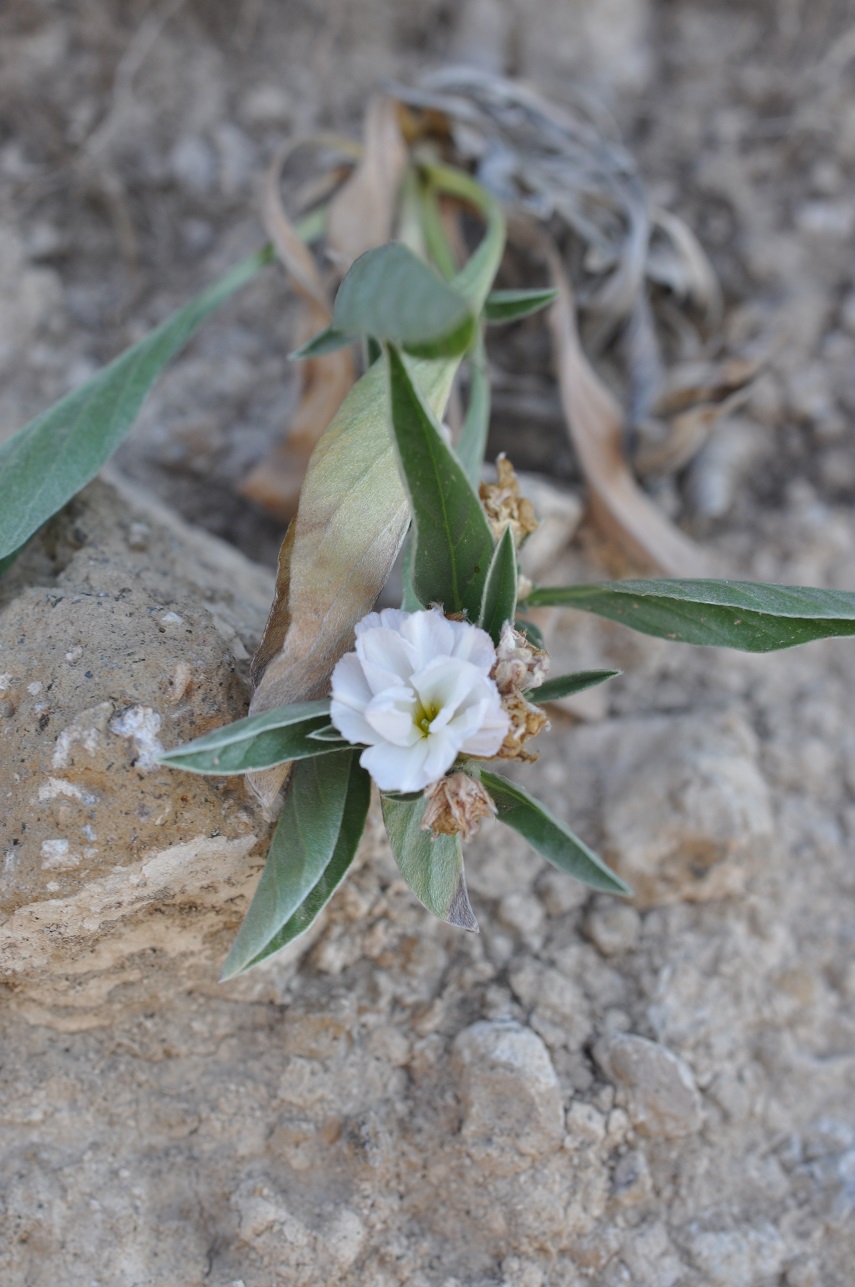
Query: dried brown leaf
362,214
275,481
595,422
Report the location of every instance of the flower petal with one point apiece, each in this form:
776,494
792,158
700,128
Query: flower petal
396,768
391,715
474,645
404,665
443,748
487,739
430,636
351,723
384,652
349,684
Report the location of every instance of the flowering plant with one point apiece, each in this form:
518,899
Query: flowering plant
435,695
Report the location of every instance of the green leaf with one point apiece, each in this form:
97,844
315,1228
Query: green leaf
257,742
500,588
476,276
409,599
436,243
432,866
472,444
47,462
453,544
304,844
327,733
392,295
350,833
329,340
566,685
510,305
727,614
552,840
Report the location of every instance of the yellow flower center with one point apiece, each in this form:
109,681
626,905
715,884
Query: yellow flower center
423,716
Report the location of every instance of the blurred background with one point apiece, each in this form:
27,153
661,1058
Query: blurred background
134,138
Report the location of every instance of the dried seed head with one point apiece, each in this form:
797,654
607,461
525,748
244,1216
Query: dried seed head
504,505
526,721
456,805
519,665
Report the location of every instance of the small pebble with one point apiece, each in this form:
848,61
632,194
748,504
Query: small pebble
613,929
139,535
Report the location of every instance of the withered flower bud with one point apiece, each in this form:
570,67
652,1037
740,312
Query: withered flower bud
456,805
519,665
527,720
505,506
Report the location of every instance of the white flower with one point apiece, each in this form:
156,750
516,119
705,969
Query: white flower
417,693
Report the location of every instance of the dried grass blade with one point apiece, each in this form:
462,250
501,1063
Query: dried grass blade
595,422
275,481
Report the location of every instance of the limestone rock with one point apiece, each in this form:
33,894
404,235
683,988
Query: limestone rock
737,1257
509,1090
685,807
123,632
662,1098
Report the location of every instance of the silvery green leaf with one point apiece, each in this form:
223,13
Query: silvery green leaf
500,588
54,456
452,541
350,833
566,685
551,838
727,614
257,742
392,295
431,865
510,305
320,824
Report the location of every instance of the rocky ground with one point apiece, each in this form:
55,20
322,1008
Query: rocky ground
649,1095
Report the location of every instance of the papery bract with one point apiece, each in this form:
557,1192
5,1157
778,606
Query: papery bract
416,693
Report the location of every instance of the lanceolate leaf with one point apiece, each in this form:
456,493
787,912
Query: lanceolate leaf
552,840
510,305
329,340
409,598
729,614
257,742
567,685
350,833
47,462
392,295
500,588
303,846
432,866
472,444
453,544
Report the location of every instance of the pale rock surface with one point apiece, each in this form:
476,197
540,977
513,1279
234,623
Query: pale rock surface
685,808
122,632
394,1102
509,1092
660,1091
